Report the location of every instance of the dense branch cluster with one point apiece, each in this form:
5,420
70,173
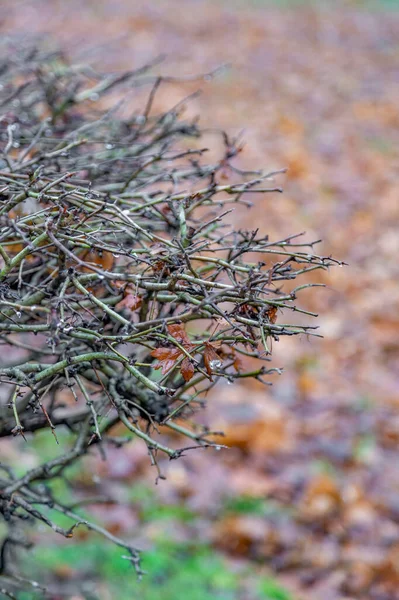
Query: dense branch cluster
125,294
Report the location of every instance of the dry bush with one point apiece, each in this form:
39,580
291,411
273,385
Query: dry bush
125,295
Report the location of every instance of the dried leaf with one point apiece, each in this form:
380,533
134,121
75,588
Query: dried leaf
167,358
241,535
187,369
102,259
130,301
272,314
322,498
176,330
237,364
210,357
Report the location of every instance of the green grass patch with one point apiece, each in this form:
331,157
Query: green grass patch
253,505
270,589
150,509
96,569
174,572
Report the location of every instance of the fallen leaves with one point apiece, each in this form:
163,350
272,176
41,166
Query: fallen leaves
99,258
131,300
255,431
321,500
241,535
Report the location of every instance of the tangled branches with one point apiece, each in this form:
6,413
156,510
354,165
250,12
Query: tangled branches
122,285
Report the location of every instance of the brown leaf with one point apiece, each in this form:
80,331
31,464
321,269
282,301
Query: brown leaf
167,358
161,267
272,314
210,356
130,301
266,434
102,259
322,498
176,330
241,535
187,369
165,353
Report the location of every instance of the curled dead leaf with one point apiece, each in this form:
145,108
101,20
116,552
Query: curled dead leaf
211,359
187,369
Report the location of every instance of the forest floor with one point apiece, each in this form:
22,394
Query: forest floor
310,487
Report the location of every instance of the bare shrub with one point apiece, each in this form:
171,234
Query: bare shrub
125,295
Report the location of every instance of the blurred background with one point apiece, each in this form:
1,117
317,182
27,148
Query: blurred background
305,504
